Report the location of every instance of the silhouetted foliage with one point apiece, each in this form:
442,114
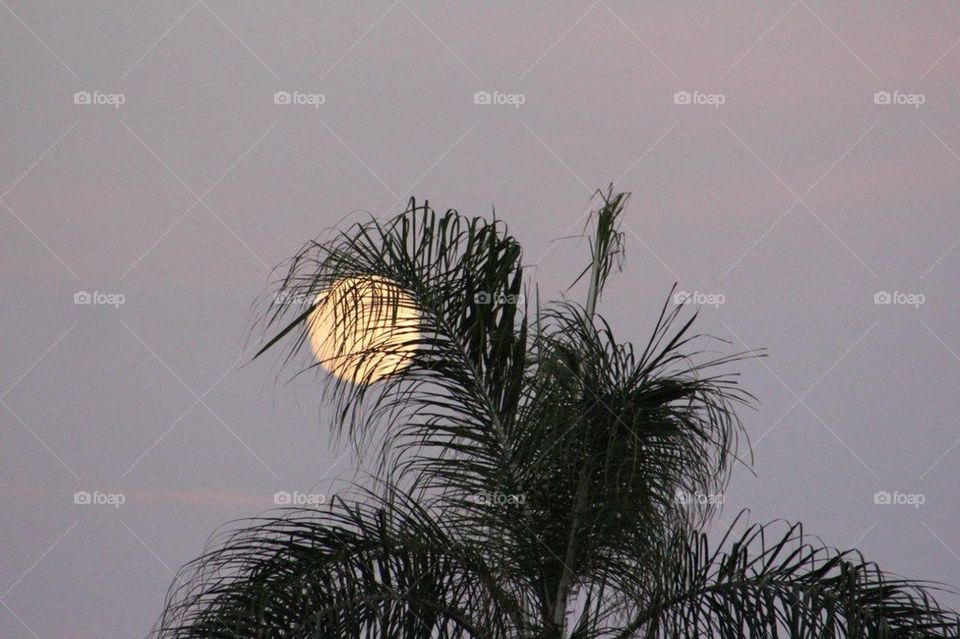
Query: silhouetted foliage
530,469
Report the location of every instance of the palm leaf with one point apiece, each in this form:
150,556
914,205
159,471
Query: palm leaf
775,581
356,570
464,279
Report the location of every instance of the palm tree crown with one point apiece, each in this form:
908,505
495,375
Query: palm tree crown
531,473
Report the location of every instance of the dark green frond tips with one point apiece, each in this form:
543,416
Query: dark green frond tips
606,244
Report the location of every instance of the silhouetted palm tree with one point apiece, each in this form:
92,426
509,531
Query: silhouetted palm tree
531,474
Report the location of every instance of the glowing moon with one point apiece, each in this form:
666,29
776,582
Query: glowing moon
363,329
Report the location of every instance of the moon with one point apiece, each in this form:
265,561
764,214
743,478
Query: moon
363,329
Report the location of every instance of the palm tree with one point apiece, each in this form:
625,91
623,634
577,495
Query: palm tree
531,473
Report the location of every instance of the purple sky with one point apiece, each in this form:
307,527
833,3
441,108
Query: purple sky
797,200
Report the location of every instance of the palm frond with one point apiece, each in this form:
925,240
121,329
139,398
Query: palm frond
606,244
466,353
608,439
775,581
356,570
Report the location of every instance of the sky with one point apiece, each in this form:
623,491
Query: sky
794,168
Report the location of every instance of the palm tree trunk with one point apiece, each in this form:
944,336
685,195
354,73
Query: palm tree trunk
566,580
564,588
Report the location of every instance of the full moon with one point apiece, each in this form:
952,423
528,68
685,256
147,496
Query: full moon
363,329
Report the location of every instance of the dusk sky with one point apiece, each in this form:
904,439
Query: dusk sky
795,167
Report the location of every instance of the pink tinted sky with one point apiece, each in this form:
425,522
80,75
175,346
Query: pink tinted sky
96,398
